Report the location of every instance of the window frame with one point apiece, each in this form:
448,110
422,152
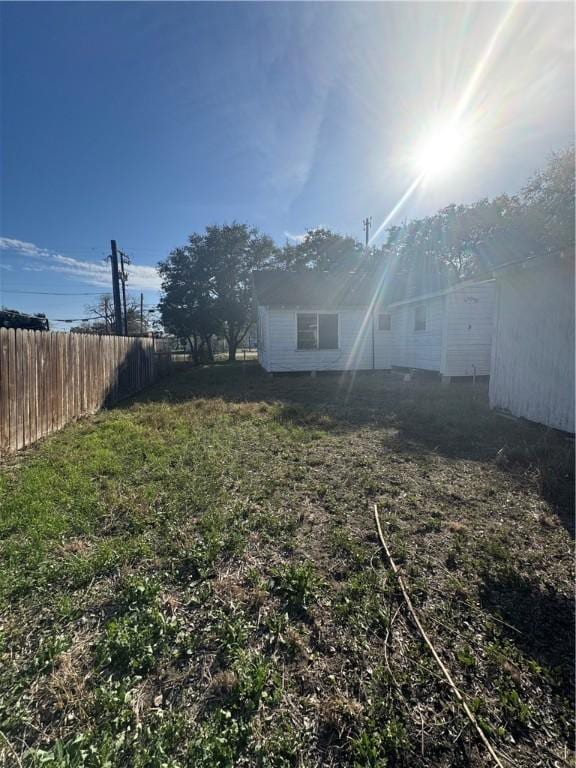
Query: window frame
420,325
317,348
389,323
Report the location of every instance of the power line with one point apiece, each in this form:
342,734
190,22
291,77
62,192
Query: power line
70,320
51,293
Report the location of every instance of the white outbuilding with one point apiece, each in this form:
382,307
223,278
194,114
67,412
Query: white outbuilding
314,321
447,331
533,350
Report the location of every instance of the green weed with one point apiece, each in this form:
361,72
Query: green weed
296,584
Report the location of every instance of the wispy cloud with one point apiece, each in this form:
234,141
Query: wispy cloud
6,266
93,272
295,238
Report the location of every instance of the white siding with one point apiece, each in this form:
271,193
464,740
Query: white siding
354,340
263,338
418,349
533,351
382,346
467,337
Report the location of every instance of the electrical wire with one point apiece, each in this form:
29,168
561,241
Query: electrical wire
51,293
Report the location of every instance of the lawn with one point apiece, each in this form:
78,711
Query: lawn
194,579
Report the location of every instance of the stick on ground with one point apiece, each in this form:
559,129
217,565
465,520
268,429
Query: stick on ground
437,659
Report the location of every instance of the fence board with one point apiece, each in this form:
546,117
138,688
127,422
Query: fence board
26,389
48,379
12,394
4,397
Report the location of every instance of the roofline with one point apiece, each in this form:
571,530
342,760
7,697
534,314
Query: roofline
315,307
436,294
532,259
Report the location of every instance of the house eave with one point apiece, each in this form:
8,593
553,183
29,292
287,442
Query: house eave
437,294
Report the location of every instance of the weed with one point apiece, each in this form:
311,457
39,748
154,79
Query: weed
496,549
516,713
361,603
296,584
198,560
466,657
49,651
345,545
368,750
134,640
233,634
218,741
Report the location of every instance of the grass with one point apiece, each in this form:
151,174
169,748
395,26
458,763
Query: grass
193,579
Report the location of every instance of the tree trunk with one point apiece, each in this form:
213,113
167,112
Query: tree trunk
209,351
231,351
192,340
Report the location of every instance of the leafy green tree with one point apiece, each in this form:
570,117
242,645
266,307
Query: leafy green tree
207,285
468,241
548,198
323,250
187,305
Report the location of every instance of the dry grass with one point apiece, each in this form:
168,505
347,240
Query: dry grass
194,579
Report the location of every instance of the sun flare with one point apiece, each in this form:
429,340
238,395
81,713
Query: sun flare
441,151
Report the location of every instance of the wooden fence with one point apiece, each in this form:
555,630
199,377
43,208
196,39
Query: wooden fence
48,379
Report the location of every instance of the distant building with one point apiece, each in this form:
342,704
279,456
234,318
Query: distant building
533,350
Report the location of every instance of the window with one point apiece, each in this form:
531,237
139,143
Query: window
420,318
317,331
384,322
307,331
327,331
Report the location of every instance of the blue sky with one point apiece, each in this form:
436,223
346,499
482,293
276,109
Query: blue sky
147,121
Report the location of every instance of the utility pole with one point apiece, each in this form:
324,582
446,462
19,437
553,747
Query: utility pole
124,277
116,289
141,314
367,225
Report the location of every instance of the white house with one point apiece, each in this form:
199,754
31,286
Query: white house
533,349
448,331
313,321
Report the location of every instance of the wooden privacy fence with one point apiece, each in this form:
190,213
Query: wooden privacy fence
48,379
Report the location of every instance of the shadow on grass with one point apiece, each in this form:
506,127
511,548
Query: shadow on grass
452,421
544,618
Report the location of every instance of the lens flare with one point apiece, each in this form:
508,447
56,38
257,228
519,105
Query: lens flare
441,151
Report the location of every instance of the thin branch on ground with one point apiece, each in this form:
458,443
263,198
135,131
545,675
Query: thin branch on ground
445,672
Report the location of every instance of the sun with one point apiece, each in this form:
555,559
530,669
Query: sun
441,151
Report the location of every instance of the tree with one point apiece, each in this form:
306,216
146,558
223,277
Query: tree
548,197
207,285
323,250
104,319
468,241
233,253
187,305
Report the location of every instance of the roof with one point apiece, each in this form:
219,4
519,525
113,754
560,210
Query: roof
539,260
436,294
308,288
